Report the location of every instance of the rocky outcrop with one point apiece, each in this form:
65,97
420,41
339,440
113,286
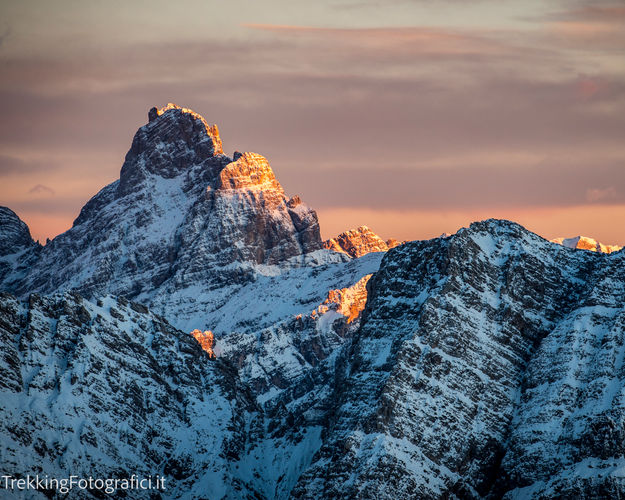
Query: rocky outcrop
206,339
585,243
18,251
350,301
359,242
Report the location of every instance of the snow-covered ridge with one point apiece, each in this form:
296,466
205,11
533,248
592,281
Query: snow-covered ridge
487,365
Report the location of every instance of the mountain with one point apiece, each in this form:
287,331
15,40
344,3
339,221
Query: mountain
192,324
359,242
487,364
585,243
183,228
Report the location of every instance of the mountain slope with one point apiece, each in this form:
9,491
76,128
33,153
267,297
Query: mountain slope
108,390
448,387
18,251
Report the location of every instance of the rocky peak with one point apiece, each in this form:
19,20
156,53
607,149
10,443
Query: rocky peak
14,233
359,242
173,140
585,243
175,112
181,214
248,171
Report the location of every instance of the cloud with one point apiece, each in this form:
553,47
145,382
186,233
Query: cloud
409,40
15,165
596,194
5,35
41,189
411,117
588,26
464,187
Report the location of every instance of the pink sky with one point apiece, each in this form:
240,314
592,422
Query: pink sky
414,118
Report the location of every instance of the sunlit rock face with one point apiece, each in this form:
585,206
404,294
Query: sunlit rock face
585,243
359,242
350,301
206,339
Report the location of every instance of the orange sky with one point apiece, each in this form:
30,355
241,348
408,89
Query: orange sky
414,118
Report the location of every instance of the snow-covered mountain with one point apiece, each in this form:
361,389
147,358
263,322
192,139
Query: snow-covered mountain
191,324
487,364
183,229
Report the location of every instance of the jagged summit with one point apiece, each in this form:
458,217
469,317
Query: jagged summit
173,110
586,243
358,242
174,140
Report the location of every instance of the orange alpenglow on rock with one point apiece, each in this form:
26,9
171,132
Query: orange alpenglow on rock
359,242
350,302
585,243
247,171
206,339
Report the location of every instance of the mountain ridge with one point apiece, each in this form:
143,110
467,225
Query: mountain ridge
220,345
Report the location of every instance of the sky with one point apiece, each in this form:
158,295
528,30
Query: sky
414,117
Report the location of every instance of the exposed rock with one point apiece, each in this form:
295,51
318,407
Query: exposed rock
18,251
14,233
392,243
359,242
487,364
350,301
206,340
585,243
86,394
249,171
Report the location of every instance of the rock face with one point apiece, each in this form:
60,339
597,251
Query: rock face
252,363
14,233
486,364
359,242
18,251
585,243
